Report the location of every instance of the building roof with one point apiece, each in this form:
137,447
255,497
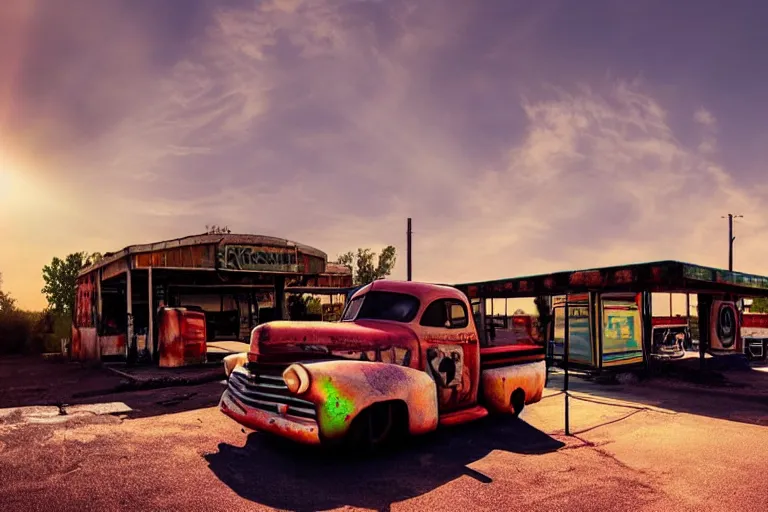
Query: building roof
204,239
659,276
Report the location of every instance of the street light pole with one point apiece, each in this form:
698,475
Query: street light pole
731,238
408,250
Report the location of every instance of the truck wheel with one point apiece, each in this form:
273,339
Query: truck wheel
518,402
372,428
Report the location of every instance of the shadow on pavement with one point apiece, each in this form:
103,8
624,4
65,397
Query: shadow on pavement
734,404
277,473
32,381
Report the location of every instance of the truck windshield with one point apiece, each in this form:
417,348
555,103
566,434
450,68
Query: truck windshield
398,307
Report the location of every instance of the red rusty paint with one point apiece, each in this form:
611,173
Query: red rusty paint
74,349
373,361
463,416
657,274
182,337
298,429
113,345
89,344
365,384
625,276
549,283
669,320
500,383
85,301
755,320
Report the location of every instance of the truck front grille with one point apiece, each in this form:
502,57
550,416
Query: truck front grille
267,391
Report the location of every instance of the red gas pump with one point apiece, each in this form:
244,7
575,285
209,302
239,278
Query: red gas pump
182,337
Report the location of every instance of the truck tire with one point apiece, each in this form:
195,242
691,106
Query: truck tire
374,428
517,401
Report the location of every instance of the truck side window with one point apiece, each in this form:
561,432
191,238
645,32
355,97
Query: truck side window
445,313
457,315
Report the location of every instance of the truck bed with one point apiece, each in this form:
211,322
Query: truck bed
504,355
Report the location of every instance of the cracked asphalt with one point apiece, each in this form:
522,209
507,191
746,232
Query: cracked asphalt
633,448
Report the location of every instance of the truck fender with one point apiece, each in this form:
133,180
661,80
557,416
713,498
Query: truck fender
342,389
498,384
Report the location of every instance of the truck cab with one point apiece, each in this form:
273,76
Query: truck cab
405,357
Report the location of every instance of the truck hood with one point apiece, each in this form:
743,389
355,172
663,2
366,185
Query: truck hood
366,339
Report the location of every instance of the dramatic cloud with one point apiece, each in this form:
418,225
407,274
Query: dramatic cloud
331,121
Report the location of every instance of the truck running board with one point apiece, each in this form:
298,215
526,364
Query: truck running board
463,416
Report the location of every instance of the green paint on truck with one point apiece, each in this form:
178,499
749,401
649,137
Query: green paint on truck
337,410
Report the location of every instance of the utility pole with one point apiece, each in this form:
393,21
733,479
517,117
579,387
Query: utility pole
731,238
408,250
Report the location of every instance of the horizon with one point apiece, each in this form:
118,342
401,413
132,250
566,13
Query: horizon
521,138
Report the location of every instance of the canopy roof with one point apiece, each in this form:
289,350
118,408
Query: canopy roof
660,276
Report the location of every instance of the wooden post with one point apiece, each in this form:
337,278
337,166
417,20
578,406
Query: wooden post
151,324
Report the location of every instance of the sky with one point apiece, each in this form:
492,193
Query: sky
521,136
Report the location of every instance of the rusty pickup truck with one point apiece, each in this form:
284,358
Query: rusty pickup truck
404,358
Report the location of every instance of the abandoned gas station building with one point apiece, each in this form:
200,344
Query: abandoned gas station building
171,301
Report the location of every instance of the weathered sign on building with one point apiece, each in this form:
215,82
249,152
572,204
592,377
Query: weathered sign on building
258,258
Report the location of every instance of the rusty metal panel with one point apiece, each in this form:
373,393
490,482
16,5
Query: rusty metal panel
85,301
113,345
113,269
499,384
89,348
177,257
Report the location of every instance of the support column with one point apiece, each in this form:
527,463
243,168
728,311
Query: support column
151,321
129,347
688,316
566,357
481,330
98,313
280,298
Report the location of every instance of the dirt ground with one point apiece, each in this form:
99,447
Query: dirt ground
633,447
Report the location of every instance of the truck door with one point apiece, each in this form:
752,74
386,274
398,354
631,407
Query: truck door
451,352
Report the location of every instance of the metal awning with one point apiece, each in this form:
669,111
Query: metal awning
660,277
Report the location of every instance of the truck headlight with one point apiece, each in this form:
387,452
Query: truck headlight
296,378
232,361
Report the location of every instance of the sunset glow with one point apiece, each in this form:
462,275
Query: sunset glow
550,142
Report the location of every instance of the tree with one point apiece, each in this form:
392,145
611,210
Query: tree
759,305
299,306
61,279
362,265
7,303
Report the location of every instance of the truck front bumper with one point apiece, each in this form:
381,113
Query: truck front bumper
261,403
